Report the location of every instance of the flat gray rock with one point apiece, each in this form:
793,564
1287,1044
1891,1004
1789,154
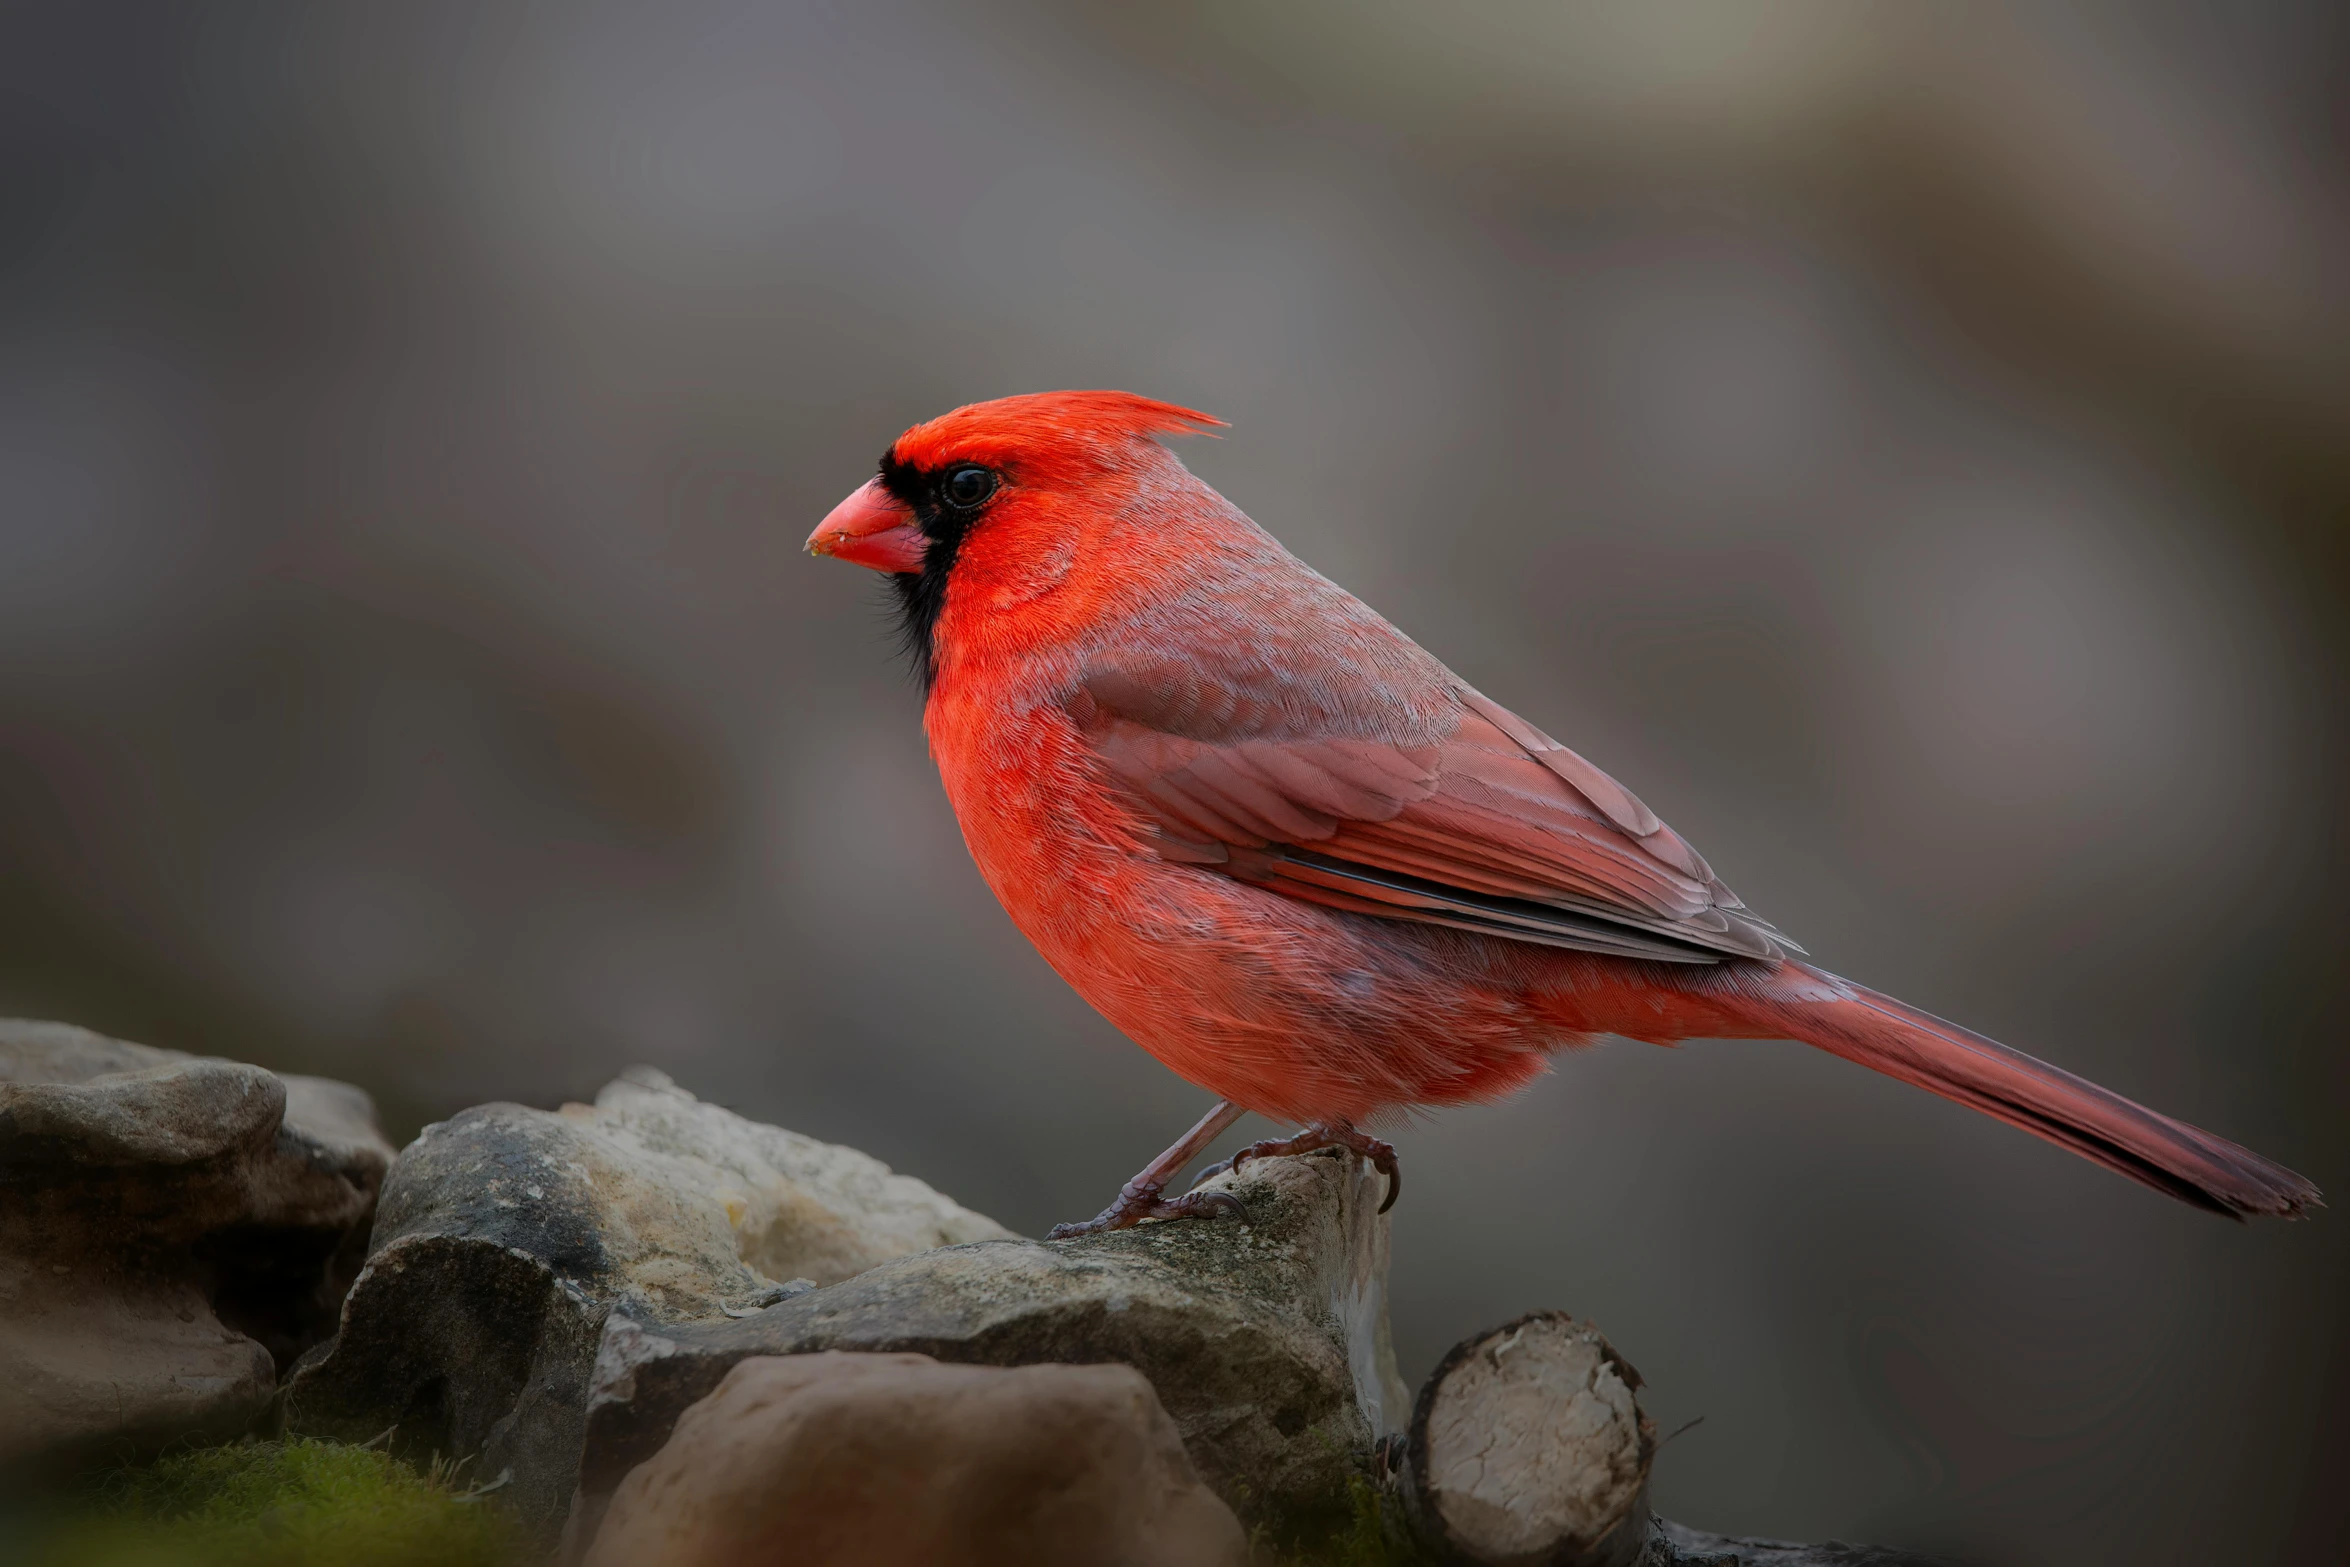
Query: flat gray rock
173,1229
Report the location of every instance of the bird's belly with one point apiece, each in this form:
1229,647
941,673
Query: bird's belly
1287,1008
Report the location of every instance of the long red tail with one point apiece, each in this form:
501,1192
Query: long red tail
1900,1041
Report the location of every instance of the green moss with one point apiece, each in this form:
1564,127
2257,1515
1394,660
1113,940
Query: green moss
1372,1533
303,1503
280,1504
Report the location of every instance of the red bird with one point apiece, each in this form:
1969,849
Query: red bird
1303,863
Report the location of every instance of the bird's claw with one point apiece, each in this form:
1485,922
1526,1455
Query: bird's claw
1213,1205
1144,1197
1330,1134
1137,1204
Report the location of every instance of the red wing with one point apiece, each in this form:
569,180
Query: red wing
1492,826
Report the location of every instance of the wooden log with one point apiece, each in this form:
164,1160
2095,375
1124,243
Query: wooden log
1527,1448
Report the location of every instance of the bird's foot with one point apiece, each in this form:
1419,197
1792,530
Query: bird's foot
1139,1200
1145,1197
1327,1134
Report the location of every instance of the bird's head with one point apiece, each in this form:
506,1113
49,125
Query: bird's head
1014,480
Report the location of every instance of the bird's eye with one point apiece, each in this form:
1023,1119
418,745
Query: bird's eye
968,486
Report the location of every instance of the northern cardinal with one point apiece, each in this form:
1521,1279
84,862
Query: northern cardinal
1307,866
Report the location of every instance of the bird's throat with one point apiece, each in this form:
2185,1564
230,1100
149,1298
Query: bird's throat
921,596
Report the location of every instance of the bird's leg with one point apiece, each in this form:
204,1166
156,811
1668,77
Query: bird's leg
1329,1134
1141,1198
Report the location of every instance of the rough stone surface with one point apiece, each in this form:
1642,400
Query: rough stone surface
173,1230
1266,1340
506,1234
885,1459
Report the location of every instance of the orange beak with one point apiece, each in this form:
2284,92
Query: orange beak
872,528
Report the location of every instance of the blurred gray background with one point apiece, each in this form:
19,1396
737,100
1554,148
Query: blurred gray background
1910,446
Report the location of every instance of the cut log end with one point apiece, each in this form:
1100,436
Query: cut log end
1528,1449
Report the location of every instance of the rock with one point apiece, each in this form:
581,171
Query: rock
1527,1445
173,1230
506,1234
1266,1340
878,1460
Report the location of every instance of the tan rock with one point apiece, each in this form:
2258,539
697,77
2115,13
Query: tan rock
786,1205
884,1459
